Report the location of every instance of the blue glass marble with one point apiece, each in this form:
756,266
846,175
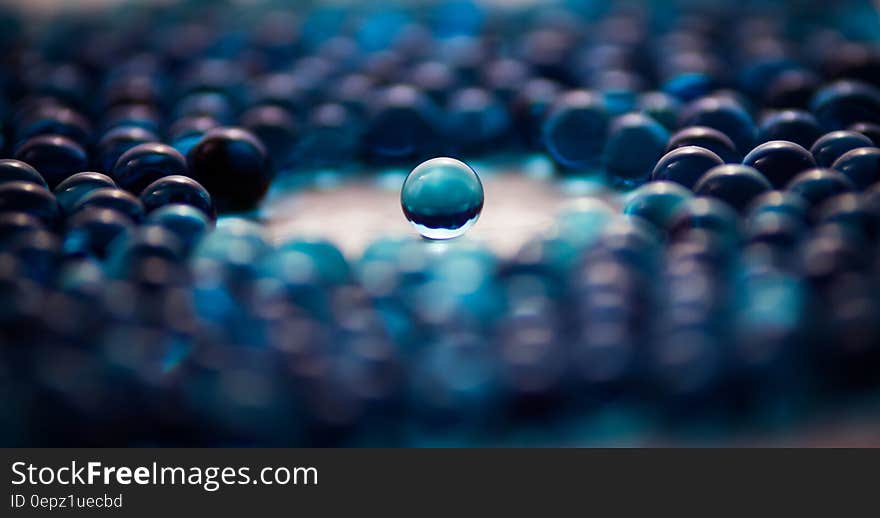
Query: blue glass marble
576,128
51,119
401,124
130,252
71,190
89,232
689,86
634,131
475,120
117,141
13,223
784,202
331,139
868,129
17,171
780,161
844,103
791,89
853,211
705,214
776,229
331,266
685,165
276,128
725,115
132,116
861,166
707,138
529,108
795,126
436,79
145,163
188,223
112,198
818,185
205,104
735,184
662,107
833,145
38,254
29,198
657,202
177,189
54,156
442,198
234,166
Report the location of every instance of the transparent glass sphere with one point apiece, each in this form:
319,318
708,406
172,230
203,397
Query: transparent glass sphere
442,198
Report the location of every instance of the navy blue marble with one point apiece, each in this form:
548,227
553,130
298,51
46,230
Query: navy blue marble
833,145
54,156
780,161
29,198
177,189
145,163
71,190
17,171
635,143
708,138
576,128
735,184
234,166
861,166
685,165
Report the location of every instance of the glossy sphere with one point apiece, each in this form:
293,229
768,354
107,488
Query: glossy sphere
575,130
725,115
71,190
29,198
54,156
818,185
188,223
853,211
832,146
330,139
844,103
707,138
862,166
661,107
868,129
737,185
635,143
233,165
780,161
401,124
115,199
18,171
90,232
705,214
685,165
776,229
176,189
119,140
784,202
657,202
792,125
442,198
145,163
14,223
475,119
